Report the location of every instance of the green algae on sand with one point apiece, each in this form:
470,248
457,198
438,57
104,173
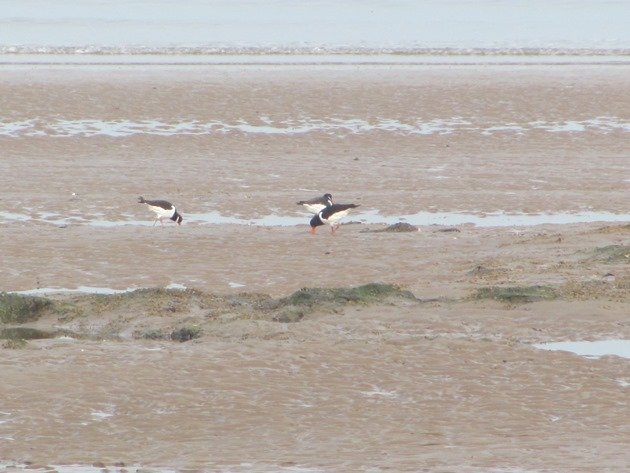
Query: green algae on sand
517,294
16,308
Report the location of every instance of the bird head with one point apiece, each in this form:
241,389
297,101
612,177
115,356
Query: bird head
177,218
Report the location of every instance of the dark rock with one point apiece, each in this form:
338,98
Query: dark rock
399,227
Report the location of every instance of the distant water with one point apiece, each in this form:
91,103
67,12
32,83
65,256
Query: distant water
323,27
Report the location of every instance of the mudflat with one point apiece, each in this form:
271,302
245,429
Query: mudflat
447,379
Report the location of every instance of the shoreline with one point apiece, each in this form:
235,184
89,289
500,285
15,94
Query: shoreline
592,58
292,62
449,381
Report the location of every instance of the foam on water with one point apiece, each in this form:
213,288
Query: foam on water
439,126
591,349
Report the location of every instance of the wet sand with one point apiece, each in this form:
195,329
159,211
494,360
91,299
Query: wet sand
449,384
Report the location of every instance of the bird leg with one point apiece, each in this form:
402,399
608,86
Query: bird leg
312,230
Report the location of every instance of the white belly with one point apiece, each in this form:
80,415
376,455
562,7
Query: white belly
334,218
162,213
313,208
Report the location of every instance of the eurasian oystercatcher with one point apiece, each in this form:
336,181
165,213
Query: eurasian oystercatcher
162,209
330,215
317,204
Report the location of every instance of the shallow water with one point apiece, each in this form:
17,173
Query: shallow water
7,466
45,291
498,219
243,468
265,126
591,349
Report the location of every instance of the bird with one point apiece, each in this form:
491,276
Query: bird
162,209
330,215
317,204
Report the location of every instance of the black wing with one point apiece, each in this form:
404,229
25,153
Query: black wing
317,200
159,203
333,209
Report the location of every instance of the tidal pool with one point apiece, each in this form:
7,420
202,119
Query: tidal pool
591,349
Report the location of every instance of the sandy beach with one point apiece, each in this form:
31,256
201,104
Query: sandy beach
447,381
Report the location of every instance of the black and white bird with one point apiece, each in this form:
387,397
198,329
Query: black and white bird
330,216
317,204
162,209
